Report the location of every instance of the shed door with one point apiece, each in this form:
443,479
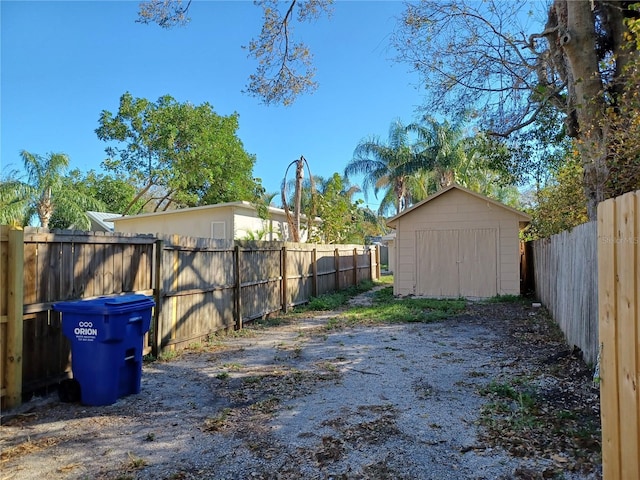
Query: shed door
454,263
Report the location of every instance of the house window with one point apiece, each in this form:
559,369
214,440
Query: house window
217,230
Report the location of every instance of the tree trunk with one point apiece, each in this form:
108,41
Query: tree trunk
577,40
45,208
298,197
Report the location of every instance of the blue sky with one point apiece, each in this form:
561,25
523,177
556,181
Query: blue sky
65,62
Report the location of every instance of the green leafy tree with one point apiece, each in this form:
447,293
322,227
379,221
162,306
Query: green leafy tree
560,205
340,218
114,192
177,153
15,198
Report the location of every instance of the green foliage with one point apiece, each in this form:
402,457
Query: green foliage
116,193
341,218
177,153
622,119
44,194
388,309
334,300
386,167
450,154
561,205
15,196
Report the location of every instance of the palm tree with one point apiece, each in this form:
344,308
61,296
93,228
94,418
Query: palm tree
444,148
386,167
451,156
47,193
14,200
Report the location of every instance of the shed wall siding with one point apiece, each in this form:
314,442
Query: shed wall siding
457,210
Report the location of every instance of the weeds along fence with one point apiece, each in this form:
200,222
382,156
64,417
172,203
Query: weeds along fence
619,307
566,282
200,286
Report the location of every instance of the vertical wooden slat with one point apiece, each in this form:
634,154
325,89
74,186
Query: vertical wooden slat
336,261
285,284
175,271
355,267
157,296
607,302
15,316
314,270
238,288
66,271
636,242
626,304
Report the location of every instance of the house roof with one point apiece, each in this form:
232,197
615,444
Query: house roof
240,203
102,219
523,216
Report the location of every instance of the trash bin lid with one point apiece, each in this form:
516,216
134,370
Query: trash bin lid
126,299
105,305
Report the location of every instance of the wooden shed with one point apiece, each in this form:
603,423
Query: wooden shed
457,243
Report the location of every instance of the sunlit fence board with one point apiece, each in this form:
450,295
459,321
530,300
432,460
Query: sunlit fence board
619,285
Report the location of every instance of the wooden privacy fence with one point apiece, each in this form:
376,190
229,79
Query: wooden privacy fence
566,281
200,286
208,285
619,311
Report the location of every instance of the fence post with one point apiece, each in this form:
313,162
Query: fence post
314,269
336,262
285,286
355,266
15,309
378,266
238,289
157,294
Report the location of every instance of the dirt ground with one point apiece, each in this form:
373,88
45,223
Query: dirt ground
492,393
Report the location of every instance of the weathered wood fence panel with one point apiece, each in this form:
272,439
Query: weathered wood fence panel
4,318
194,291
207,286
619,307
200,286
566,282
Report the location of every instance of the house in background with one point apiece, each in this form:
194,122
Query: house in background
389,242
99,221
457,243
223,221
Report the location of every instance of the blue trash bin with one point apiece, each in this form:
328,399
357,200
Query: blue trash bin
106,336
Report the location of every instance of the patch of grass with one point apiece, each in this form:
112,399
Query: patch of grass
252,380
223,376
329,301
214,424
335,300
168,355
266,406
387,309
135,463
506,299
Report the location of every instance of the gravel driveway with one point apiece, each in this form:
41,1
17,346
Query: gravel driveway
298,400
